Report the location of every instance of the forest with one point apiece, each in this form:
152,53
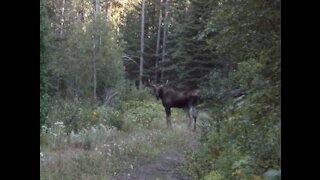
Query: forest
100,119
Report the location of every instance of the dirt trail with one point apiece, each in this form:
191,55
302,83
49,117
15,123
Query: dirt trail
168,166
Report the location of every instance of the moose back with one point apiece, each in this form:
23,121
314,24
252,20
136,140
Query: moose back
172,98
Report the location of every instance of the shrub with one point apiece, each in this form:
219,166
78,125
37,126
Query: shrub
130,92
74,115
144,113
45,104
109,116
213,175
43,137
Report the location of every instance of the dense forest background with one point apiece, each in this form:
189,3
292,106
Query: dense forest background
95,61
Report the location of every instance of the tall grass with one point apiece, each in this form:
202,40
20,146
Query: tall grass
99,149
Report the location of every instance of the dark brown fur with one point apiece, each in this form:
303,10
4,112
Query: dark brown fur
177,99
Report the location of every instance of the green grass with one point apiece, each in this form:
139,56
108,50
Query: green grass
102,151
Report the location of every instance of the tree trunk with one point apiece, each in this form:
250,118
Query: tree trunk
94,68
165,23
97,14
83,11
97,7
94,48
94,9
141,46
158,43
107,8
76,89
62,18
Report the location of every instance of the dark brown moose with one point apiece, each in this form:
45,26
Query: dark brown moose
172,98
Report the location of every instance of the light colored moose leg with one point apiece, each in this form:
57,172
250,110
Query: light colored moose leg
194,115
190,117
168,117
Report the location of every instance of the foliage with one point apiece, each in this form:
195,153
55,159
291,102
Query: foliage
44,97
131,39
42,31
213,175
191,56
242,138
45,106
129,92
144,113
71,55
70,114
123,115
109,116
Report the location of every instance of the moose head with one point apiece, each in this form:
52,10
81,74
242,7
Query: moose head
157,88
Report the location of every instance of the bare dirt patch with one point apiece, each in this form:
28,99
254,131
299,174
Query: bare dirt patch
168,166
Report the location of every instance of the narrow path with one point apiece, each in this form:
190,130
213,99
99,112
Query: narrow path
168,166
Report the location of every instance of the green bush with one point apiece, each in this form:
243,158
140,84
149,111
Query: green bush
45,106
109,116
43,137
241,137
144,113
129,92
74,115
124,115
213,175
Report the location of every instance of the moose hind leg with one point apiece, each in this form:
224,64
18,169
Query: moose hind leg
190,117
194,115
168,118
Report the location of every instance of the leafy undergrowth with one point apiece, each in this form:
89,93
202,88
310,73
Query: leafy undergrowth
102,151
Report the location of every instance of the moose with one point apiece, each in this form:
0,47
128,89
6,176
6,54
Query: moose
172,98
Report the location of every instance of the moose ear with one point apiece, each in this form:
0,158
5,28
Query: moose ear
167,82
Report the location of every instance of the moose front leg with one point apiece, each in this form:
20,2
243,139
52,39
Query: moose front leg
168,117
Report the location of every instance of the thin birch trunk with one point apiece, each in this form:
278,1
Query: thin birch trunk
165,24
62,18
107,8
141,46
158,43
94,69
